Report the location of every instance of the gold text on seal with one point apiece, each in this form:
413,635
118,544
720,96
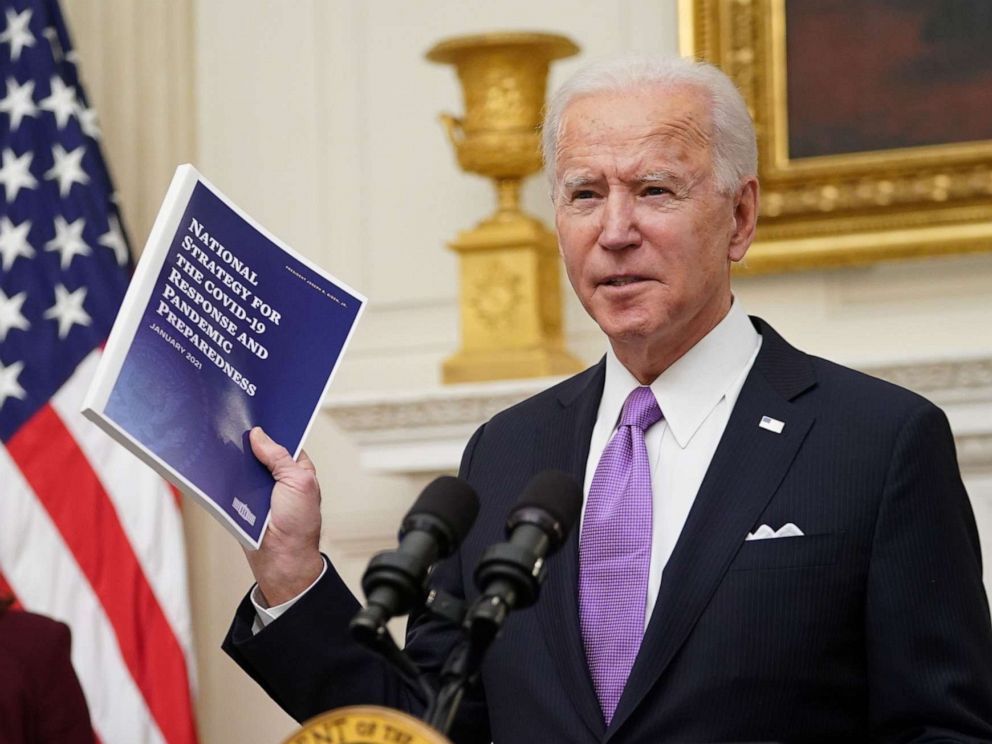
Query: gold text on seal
366,724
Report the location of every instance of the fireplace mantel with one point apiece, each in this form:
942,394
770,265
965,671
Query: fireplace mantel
424,431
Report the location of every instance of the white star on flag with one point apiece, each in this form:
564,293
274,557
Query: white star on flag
68,309
53,41
18,102
15,173
88,121
114,240
68,240
61,101
68,168
9,387
14,241
17,33
10,313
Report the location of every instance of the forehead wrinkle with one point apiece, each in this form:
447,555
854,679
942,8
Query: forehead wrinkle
669,141
685,128
690,123
680,139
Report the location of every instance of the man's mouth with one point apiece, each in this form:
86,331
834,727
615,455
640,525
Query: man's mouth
622,281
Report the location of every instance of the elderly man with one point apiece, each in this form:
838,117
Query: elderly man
772,548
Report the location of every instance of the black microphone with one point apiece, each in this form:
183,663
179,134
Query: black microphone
509,575
396,580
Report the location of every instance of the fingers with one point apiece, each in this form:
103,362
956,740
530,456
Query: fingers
289,558
305,462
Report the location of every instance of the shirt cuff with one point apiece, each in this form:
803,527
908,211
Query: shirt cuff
265,614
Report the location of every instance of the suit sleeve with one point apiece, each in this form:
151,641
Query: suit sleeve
306,660
308,663
929,641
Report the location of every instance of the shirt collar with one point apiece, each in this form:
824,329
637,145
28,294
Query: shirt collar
690,389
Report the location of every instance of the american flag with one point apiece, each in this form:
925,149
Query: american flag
88,535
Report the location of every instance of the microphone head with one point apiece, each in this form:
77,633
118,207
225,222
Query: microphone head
552,492
449,501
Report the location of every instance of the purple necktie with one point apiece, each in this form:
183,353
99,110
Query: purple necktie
615,552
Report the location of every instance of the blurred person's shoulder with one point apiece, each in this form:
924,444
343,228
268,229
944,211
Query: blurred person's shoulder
26,633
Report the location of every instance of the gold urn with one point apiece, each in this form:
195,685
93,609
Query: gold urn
510,288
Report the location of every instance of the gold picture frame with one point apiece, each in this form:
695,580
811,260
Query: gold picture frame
847,208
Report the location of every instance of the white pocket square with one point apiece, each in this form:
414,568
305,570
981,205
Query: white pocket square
764,532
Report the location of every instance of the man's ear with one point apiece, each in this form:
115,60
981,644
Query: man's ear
745,219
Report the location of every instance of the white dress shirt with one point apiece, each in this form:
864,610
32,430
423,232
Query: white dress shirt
696,395
265,614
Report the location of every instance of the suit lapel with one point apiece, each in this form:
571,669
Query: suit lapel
747,467
563,444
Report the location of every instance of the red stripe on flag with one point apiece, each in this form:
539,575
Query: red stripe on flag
177,496
66,485
7,592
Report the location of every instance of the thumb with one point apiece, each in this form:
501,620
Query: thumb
271,454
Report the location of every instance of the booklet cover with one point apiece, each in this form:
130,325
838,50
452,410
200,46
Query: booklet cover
223,328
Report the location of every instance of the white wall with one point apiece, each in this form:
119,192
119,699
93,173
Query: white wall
320,118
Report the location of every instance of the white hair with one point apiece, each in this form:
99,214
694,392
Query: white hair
735,153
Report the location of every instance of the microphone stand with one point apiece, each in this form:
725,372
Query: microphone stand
369,629
511,577
461,671
463,664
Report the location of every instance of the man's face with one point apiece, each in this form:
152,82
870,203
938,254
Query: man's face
646,237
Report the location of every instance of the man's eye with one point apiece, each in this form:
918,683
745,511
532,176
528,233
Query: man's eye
583,194
655,191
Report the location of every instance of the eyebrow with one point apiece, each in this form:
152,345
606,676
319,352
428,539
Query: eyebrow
574,182
661,175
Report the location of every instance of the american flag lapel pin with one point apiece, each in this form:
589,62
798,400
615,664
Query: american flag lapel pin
772,424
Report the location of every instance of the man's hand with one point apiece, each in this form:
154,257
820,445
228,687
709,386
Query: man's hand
289,559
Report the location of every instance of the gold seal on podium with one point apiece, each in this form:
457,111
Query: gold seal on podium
366,724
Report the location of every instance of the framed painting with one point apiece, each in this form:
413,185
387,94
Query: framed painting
873,118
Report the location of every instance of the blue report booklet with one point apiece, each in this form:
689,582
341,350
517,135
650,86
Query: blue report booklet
223,328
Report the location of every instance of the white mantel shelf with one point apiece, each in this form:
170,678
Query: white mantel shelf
424,431
419,432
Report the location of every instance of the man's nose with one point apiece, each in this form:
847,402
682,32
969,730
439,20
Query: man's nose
619,224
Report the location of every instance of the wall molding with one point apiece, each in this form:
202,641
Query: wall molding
974,452
417,432
960,379
963,388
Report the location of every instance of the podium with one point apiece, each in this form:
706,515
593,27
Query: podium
366,724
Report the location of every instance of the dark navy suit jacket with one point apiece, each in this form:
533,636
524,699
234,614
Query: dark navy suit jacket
873,626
